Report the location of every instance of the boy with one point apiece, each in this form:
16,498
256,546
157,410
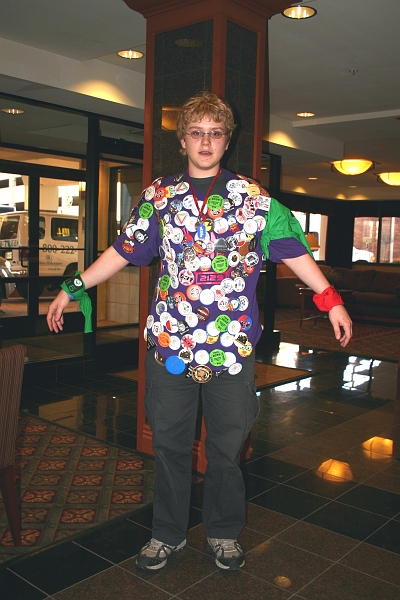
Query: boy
210,227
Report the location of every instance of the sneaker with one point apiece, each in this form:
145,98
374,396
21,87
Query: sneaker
154,554
229,554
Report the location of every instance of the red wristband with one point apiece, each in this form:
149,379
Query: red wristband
327,299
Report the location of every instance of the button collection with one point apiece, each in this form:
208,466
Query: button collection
202,316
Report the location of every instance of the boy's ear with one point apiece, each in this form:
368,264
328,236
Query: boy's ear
183,143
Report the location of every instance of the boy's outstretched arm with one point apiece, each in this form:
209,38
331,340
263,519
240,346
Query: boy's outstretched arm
109,263
308,271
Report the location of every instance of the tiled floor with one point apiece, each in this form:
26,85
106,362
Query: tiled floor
323,491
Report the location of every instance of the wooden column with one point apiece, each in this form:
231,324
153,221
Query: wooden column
192,46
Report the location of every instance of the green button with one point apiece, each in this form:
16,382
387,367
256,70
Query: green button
220,264
215,201
161,228
222,322
146,210
217,358
165,282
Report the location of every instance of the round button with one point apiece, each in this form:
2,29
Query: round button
245,322
226,340
243,303
212,328
239,284
234,328
184,308
192,319
215,201
230,359
164,283
157,328
186,355
222,322
223,304
206,297
202,357
220,264
174,365
241,339
235,369
245,350
146,210
203,313
172,325
164,318
200,336
217,358
174,342
164,339
253,189
188,341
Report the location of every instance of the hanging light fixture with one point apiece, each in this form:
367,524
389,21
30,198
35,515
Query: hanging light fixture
389,178
299,11
352,166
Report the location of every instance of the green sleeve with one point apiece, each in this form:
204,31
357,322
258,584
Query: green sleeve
280,223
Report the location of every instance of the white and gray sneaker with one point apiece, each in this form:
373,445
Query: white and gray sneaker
229,554
154,554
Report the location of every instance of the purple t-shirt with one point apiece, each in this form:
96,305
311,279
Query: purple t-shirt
204,312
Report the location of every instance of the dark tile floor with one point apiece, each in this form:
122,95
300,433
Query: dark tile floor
323,495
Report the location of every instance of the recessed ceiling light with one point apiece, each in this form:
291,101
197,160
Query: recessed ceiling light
264,168
299,12
352,186
306,114
130,54
13,111
313,178
188,43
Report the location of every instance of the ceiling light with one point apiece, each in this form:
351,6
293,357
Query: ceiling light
306,114
389,178
188,43
130,54
312,178
299,12
352,166
13,111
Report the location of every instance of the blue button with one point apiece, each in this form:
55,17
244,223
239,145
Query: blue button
175,365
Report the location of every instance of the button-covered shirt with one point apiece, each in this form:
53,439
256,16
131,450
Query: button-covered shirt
204,309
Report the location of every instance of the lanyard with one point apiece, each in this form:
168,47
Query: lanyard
201,209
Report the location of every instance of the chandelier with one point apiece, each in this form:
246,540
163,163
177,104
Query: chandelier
352,166
389,178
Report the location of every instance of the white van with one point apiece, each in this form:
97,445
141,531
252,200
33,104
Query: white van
58,244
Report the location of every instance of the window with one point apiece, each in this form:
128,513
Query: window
64,229
376,240
317,225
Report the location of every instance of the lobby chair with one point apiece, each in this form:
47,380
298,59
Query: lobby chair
12,362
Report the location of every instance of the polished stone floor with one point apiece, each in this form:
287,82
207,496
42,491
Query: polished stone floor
323,495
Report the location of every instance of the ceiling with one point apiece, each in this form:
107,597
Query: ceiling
343,65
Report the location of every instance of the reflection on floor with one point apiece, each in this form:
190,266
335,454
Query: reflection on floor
323,490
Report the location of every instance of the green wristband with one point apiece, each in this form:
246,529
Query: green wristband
75,289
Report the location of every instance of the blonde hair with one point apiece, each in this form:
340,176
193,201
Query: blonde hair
205,104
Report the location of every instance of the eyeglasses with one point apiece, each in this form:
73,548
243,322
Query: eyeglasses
198,135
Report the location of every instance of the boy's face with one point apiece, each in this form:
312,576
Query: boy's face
204,154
